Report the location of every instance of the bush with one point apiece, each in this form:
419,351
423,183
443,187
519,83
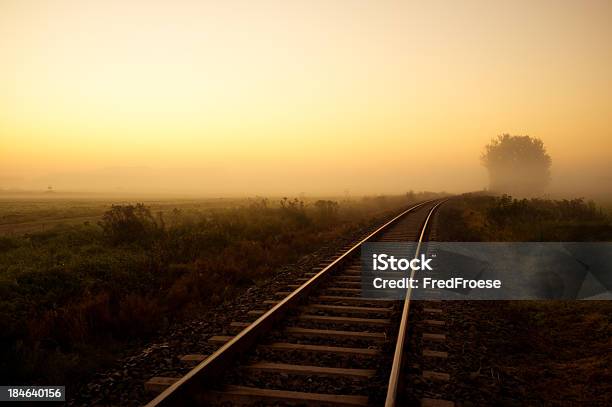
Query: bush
131,224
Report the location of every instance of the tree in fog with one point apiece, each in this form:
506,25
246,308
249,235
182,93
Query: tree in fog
517,165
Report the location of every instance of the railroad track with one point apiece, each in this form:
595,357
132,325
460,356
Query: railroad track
320,343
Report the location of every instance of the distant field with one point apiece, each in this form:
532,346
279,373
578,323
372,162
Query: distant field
43,224
21,215
24,214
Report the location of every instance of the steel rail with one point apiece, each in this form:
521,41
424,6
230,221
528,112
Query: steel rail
398,356
189,388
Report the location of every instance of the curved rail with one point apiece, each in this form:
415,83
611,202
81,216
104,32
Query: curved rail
398,356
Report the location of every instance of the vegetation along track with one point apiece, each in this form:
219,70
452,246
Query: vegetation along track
319,344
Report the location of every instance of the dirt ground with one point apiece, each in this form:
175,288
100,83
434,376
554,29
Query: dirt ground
537,353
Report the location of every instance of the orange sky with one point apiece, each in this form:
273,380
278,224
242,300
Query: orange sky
256,97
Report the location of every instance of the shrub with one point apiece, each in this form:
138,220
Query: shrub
130,224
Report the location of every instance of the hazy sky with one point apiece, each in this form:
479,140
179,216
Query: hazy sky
254,97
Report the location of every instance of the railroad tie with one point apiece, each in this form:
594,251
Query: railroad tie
332,350
238,326
193,359
329,333
434,354
311,370
344,309
349,278
434,337
348,284
219,339
344,290
435,376
345,320
158,384
427,402
353,300
247,395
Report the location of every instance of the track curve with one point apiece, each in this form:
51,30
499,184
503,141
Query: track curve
319,344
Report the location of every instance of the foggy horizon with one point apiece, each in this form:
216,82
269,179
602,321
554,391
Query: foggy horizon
238,99
193,182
